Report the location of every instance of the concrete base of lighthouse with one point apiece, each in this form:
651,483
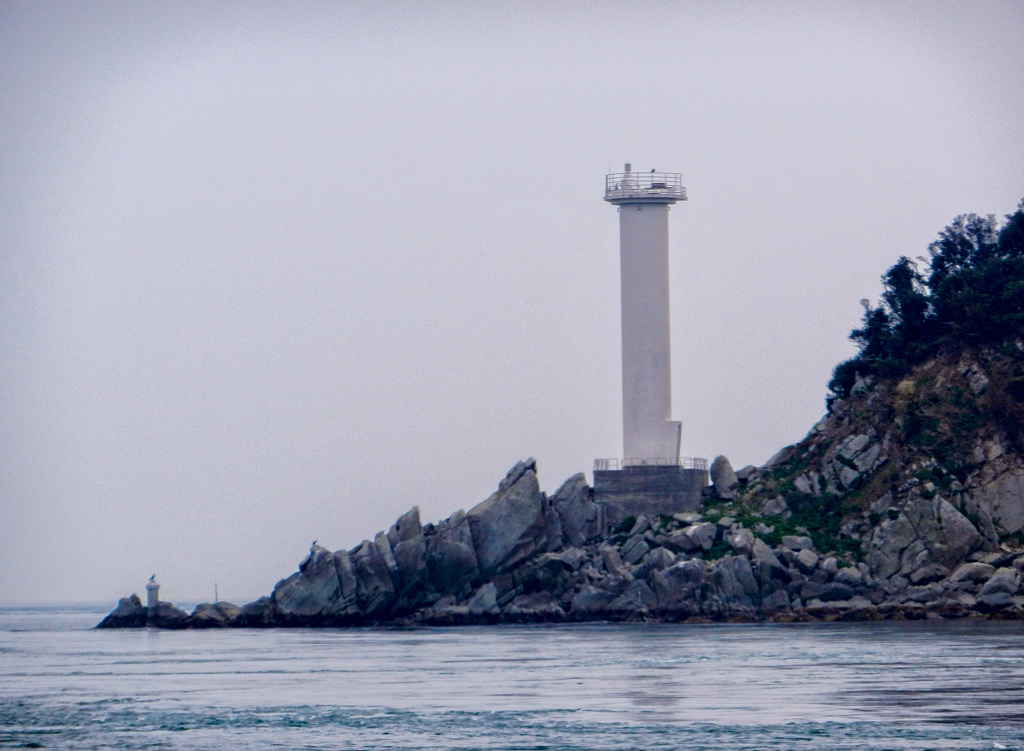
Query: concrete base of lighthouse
648,490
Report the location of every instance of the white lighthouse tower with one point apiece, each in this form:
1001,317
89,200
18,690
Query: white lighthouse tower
650,436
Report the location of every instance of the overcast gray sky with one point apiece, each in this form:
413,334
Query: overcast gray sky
276,272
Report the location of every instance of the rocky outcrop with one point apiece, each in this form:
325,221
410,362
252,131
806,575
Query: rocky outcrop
904,502
452,567
165,615
723,479
129,613
510,526
916,533
578,515
214,615
312,591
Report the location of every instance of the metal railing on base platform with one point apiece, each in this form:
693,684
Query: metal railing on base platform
686,462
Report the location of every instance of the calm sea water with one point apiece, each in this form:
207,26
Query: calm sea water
945,685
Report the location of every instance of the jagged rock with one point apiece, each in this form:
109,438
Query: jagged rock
570,559
612,561
829,565
641,525
375,585
792,542
777,600
260,613
761,553
346,606
508,527
1002,499
552,539
703,534
783,455
615,584
312,590
1003,580
741,540
774,506
933,572
485,601
658,559
807,560
995,601
638,597
807,484
590,601
747,473
723,479
634,549
451,560
695,537
926,530
980,512
678,587
854,457
580,517
733,578
165,615
129,613
409,549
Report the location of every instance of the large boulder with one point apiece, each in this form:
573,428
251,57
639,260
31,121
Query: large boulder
925,530
551,538
509,526
129,613
678,587
638,597
590,601
723,479
375,583
580,517
1003,580
409,548
485,601
214,615
310,592
451,559
258,614
740,539
761,553
972,572
1002,498
346,606
733,587
165,615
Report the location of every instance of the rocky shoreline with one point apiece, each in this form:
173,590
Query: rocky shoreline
905,501
524,557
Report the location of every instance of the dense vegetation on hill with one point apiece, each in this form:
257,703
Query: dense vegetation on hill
969,292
